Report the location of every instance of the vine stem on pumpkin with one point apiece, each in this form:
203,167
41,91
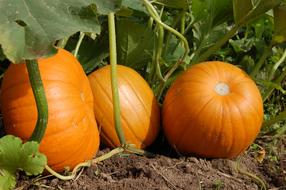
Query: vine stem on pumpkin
114,84
40,99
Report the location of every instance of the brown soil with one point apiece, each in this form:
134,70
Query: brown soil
166,171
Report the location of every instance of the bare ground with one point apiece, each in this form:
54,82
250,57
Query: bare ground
169,171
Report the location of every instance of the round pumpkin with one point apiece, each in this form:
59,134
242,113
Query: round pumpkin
212,110
72,135
140,115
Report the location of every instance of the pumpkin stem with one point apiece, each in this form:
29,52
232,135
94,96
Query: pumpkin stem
114,85
221,88
40,98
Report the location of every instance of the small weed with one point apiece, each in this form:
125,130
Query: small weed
218,184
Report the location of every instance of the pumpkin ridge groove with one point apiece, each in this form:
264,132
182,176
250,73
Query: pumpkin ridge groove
102,132
80,146
230,146
135,92
179,140
140,100
243,128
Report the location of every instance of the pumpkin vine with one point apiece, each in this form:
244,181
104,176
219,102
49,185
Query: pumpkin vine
113,73
40,98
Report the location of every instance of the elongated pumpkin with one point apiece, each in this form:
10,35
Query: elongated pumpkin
140,116
72,135
213,109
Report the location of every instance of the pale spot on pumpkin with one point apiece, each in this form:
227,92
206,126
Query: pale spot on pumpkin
82,96
74,124
221,88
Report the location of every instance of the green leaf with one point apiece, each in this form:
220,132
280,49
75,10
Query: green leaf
91,53
104,7
2,56
135,43
260,7
15,155
205,39
211,13
174,51
242,45
178,4
28,29
208,16
280,24
240,9
273,85
32,161
137,5
7,180
263,26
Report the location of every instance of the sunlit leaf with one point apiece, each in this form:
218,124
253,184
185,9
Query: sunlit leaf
137,5
105,6
28,29
15,155
7,180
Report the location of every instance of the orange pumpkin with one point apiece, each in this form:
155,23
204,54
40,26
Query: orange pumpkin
213,109
140,116
72,135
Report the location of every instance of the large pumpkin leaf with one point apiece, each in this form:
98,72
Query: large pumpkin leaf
262,6
2,56
280,24
210,12
178,4
91,53
106,6
28,28
134,43
208,15
240,9
137,5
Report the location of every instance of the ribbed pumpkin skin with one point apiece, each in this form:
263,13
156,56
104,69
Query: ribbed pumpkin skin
72,135
140,115
197,120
